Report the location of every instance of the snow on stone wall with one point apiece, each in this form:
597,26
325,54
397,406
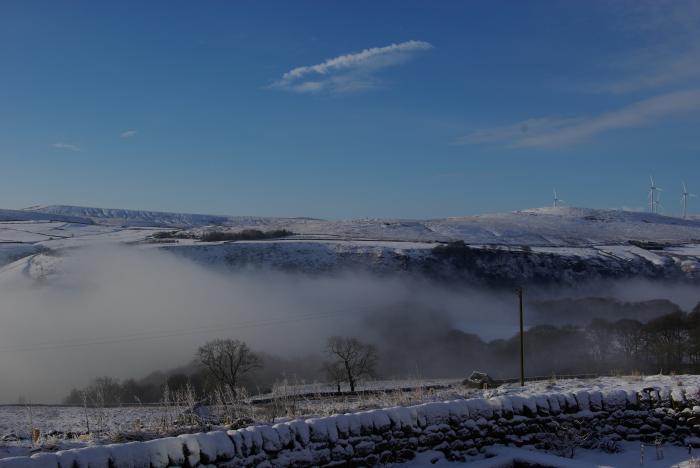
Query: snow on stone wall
458,428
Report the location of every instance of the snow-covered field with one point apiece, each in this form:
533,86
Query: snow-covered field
65,427
562,226
660,245
629,455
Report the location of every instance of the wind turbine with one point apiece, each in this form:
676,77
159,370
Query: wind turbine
684,199
556,199
653,198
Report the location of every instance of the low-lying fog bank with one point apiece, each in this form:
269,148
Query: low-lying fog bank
126,312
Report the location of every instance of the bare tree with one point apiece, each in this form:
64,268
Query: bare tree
356,358
335,373
228,360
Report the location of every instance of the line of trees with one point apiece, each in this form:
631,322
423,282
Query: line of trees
226,365
220,235
668,343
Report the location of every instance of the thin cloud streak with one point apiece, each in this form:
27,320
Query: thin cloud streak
516,131
67,146
669,50
348,73
678,69
558,132
128,134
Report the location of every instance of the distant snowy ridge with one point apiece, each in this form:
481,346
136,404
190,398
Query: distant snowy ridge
563,226
545,245
24,215
130,217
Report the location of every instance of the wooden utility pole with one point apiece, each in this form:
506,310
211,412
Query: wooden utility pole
522,341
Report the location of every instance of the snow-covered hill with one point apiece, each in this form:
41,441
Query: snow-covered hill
123,217
546,244
25,215
563,226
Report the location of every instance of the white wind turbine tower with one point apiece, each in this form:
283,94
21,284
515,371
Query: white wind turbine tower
653,197
684,199
556,199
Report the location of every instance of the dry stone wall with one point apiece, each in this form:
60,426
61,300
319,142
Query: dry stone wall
459,428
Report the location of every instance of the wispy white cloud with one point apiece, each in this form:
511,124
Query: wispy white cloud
668,53
557,132
67,146
128,134
669,71
662,68
348,73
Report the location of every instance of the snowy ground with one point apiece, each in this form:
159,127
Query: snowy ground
66,426
597,236
630,455
563,226
601,384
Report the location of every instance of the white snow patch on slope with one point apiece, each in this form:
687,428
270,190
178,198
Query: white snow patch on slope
542,226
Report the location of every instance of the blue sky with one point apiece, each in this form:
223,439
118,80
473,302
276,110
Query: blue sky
347,109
